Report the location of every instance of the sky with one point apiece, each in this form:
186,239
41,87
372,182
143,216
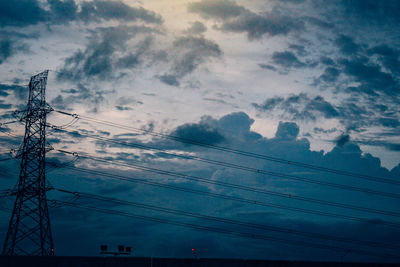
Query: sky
314,82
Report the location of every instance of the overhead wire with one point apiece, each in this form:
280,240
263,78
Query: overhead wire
221,230
239,167
234,198
239,187
272,228
235,151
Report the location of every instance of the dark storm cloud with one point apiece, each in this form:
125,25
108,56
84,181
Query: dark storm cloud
24,12
300,107
235,18
189,52
98,60
199,132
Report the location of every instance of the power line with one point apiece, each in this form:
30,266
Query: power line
241,187
240,167
235,198
224,220
220,230
236,151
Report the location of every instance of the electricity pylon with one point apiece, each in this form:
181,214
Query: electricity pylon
29,231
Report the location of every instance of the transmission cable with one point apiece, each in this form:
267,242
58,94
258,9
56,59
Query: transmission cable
235,151
220,230
239,187
224,220
237,166
234,198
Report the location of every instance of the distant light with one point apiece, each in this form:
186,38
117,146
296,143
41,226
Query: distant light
52,249
192,249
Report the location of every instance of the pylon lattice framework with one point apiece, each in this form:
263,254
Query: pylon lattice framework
29,231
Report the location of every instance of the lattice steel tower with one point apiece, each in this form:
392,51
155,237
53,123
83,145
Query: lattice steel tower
29,231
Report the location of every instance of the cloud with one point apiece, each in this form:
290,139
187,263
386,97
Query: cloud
21,13
10,46
354,114
4,105
235,18
223,9
388,56
20,92
235,128
327,61
108,10
99,59
199,132
370,11
267,67
287,131
347,45
373,80
126,103
342,140
188,53
24,12
197,28
80,94
300,107
256,26
330,75
287,59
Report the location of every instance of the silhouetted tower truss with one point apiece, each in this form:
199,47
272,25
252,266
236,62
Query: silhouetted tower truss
29,231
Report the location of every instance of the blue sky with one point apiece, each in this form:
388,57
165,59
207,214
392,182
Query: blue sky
309,81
